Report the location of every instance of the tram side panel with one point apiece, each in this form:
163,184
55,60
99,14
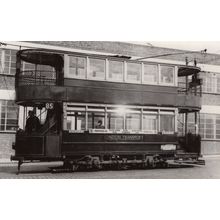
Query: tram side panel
37,146
117,144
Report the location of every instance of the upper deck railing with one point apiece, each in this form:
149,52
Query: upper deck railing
193,87
37,77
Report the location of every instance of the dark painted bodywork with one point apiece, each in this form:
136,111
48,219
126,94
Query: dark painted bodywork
77,145
85,91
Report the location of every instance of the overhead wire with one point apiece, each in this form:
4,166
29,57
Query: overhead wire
142,58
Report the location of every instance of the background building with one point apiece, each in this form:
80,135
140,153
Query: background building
209,63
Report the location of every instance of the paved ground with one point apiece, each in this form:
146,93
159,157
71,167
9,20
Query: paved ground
41,171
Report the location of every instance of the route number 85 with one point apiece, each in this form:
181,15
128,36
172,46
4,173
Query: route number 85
49,105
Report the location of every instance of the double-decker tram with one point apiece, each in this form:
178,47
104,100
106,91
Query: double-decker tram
100,111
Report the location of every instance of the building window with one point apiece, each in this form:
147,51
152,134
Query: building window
202,126
150,73
167,75
209,126
77,67
218,83
8,61
8,115
217,126
116,70
209,83
133,72
96,69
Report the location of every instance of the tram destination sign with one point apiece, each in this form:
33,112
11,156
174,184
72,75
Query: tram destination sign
130,137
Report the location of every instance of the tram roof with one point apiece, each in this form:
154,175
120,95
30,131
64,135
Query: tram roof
188,70
54,58
39,56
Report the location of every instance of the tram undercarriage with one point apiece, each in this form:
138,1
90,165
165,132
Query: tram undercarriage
117,162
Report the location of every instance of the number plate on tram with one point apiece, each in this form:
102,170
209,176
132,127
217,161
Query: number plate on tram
168,147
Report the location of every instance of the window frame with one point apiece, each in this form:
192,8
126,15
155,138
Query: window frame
160,75
106,109
148,112
6,118
108,70
85,67
89,67
3,61
157,74
141,73
124,62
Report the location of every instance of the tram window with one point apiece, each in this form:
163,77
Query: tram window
167,123
191,123
41,114
150,123
115,70
133,72
115,121
28,66
167,74
133,121
77,67
180,124
76,121
96,120
150,73
97,69
37,74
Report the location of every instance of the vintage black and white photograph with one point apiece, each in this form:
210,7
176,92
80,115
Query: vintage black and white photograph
110,109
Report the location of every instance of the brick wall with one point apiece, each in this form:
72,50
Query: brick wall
6,150
210,99
130,49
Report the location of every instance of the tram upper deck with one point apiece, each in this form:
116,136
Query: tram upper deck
50,76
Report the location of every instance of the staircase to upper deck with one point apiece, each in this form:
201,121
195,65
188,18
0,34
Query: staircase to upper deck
189,88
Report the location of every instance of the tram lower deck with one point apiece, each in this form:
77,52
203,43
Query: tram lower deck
107,135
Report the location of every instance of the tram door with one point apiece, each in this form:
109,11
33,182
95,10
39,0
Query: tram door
52,130
43,139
